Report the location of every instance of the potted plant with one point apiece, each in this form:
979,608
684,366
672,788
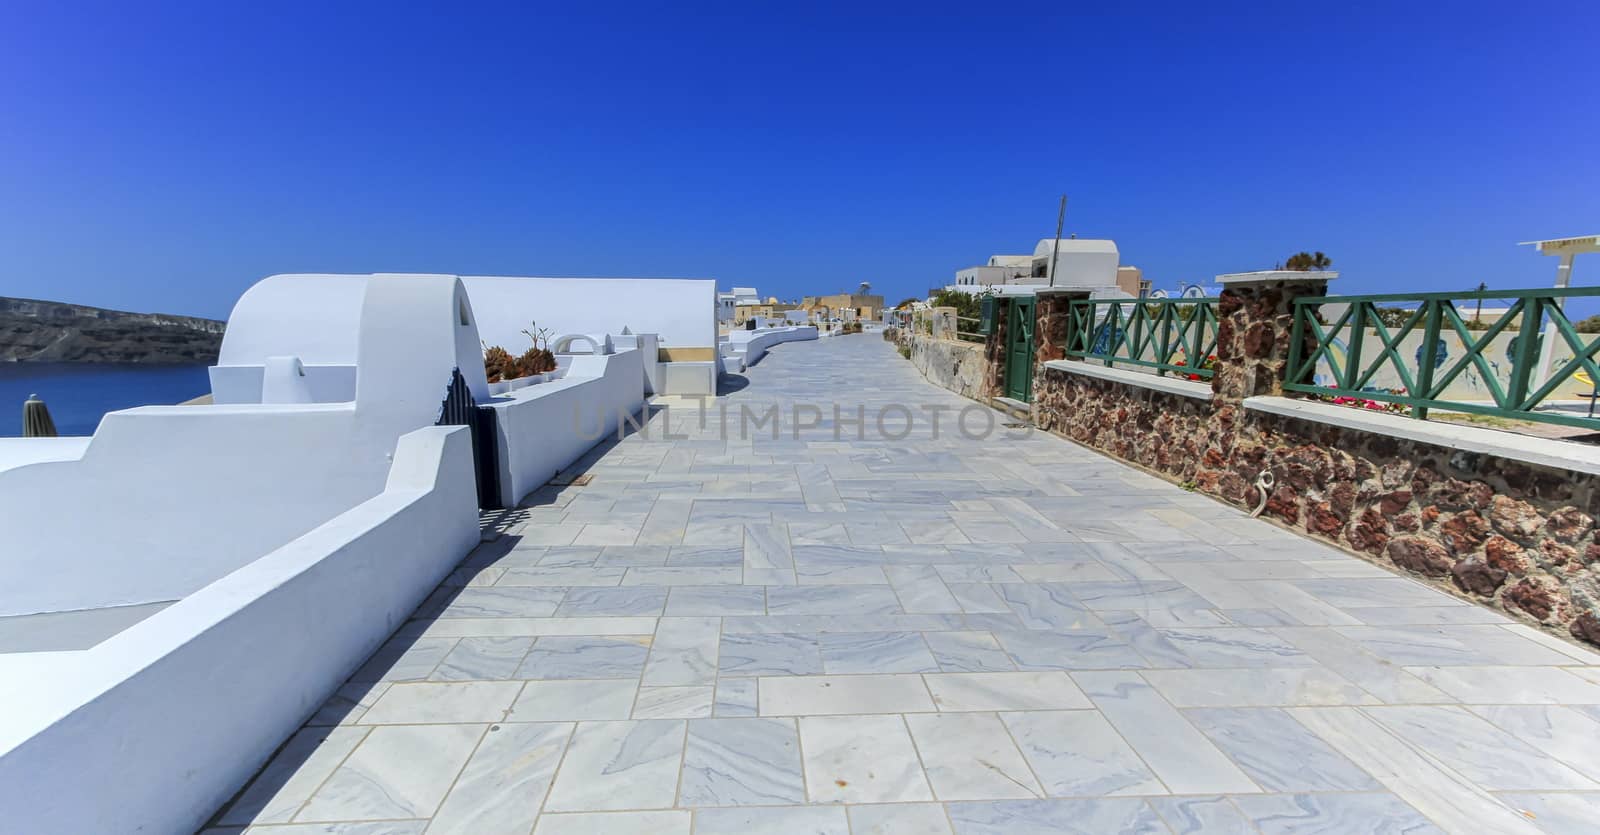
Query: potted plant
538,361
500,367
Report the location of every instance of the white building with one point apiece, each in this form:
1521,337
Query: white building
1080,263
728,303
1001,269
1090,264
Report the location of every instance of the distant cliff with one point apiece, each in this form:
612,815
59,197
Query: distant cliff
36,331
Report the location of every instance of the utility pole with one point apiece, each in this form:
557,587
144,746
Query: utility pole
1055,246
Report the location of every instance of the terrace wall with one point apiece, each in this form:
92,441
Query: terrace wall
961,367
153,729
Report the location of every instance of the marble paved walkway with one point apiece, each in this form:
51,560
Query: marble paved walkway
886,634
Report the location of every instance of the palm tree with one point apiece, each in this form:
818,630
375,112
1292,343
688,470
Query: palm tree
1308,261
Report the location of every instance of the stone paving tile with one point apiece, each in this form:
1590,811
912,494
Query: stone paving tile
503,785
1566,734
1571,813
1278,752
619,600
762,654
735,697
968,652
780,820
1078,753
404,659
742,762
614,823
716,600
899,819
1292,814
307,759
828,695
398,771
1050,817
348,704
1174,749
673,702
969,756
875,652
416,703
575,699
861,759
1208,815
1475,748
956,692
1293,686
613,766
484,658
857,633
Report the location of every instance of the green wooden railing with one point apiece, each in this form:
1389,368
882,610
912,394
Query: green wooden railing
1169,335
1356,347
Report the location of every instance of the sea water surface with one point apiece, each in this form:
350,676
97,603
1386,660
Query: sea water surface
79,394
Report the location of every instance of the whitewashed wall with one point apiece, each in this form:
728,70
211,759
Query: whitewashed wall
545,427
152,730
748,347
316,317
168,498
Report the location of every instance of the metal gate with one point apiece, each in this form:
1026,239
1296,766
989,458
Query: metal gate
1019,350
461,409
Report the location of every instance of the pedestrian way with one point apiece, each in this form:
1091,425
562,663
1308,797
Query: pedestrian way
879,609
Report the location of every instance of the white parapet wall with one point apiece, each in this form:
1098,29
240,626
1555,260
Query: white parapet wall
315,317
748,347
153,729
20,452
165,499
545,427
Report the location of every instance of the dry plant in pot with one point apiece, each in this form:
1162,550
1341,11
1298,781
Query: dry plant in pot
499,365
537,359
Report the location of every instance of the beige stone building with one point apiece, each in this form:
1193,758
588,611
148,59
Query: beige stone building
1131,280
770,309
844,306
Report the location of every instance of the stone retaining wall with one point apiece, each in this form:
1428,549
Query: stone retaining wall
961,367
1513,535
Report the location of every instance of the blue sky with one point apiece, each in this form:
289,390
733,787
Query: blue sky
164,157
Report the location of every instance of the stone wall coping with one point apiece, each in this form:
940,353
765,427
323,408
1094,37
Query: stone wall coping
1170,385
1272,276
1544,452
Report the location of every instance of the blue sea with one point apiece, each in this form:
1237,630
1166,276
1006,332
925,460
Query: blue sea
79,394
